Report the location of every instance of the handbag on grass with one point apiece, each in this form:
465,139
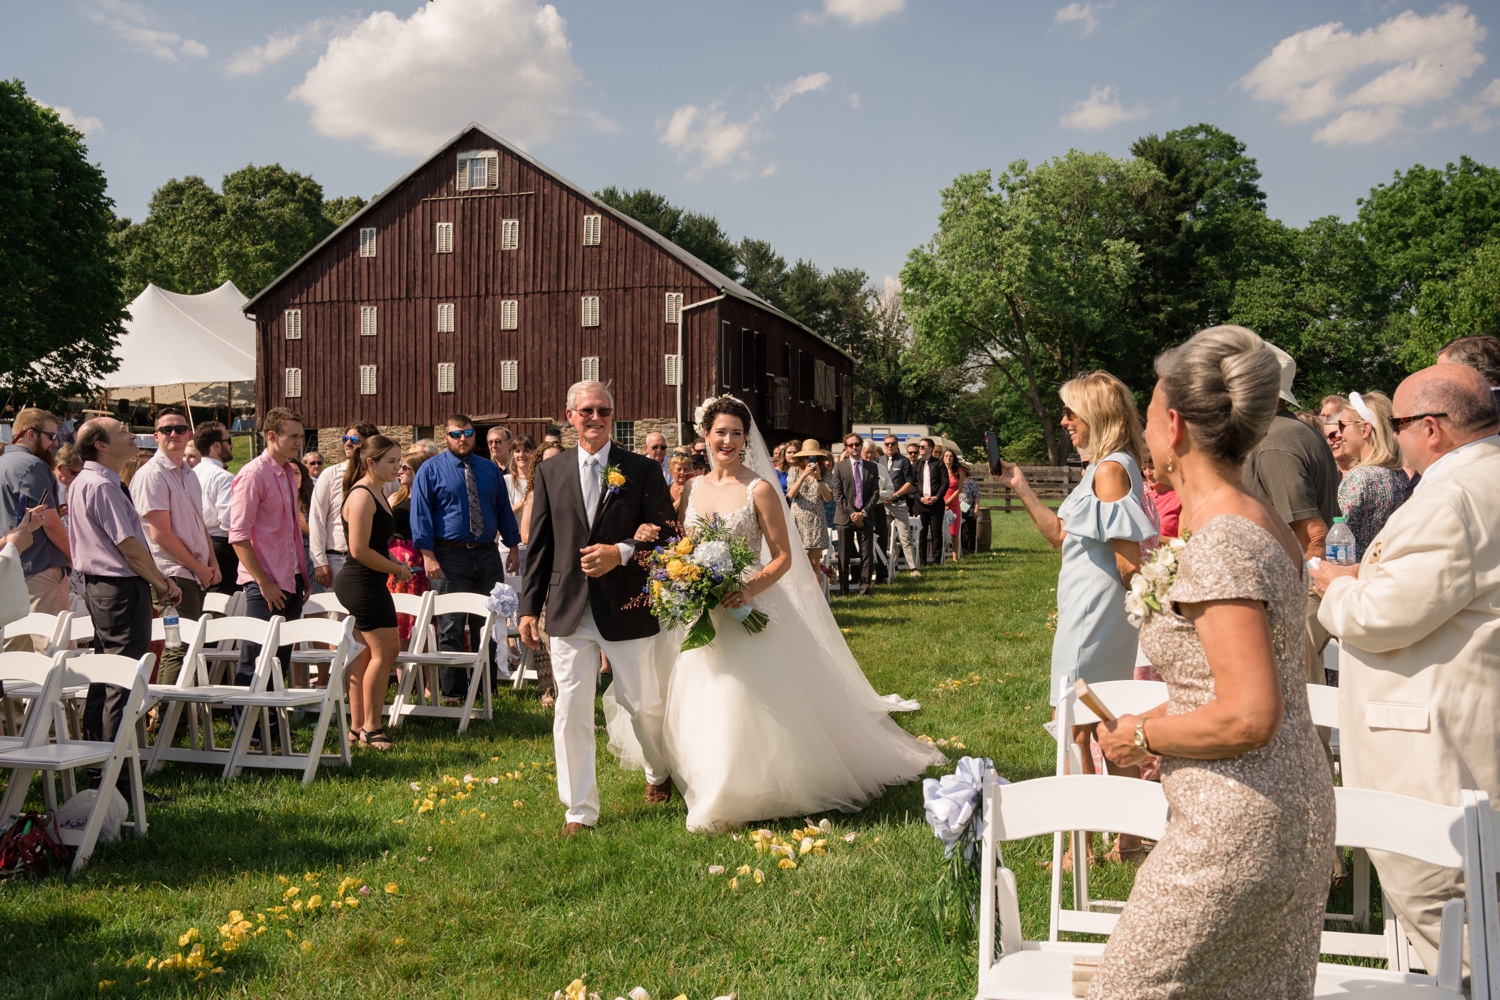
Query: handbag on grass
26,846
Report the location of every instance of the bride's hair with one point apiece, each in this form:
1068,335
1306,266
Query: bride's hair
729,405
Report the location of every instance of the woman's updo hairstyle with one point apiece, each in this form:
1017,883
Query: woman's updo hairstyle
1224,382
729,405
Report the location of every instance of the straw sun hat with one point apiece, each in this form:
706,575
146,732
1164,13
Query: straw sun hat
811,449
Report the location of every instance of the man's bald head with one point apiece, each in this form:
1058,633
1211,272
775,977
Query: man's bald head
1458,407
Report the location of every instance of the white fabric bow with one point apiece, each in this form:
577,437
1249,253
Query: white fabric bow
952,801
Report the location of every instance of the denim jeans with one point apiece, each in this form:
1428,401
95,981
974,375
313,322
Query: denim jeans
465,571
256,607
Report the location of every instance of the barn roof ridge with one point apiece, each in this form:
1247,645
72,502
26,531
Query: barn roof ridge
710,274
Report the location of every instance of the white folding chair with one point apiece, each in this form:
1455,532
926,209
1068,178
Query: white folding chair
224,656
123,752
194,690
81,632
267,694
217,604
303,655
422,634
36,679
428,657
1490,883
51,629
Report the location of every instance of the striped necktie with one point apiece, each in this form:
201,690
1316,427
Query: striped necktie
476,515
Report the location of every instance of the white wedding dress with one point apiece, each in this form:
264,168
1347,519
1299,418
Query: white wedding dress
781,723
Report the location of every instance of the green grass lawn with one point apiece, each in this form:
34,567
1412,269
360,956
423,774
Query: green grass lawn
490,903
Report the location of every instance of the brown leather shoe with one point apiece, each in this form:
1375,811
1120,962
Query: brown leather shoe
659,794
572,829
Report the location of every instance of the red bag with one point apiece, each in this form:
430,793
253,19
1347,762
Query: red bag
27,846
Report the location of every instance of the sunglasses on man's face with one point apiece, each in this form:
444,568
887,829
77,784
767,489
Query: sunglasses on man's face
467,432
656,447
170,429
1398,424
593,411
351,439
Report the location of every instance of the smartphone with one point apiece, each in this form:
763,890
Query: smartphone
993,443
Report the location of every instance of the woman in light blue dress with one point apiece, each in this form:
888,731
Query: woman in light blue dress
1099,527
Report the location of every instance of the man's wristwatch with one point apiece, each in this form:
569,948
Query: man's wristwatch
1140,738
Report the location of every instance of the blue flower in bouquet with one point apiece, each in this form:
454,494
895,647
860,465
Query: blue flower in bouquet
715,557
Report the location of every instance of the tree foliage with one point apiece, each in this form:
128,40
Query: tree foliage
699,235
61,305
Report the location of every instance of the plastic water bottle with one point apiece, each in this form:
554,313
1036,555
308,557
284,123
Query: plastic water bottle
169,627
1340,544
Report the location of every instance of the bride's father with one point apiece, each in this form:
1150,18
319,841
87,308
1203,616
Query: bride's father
586,507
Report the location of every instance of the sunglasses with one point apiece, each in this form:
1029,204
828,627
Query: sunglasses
602,411
1068,413
656,447
351,439
172,429
1398,424
467,432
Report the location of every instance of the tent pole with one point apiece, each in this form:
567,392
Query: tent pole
189,408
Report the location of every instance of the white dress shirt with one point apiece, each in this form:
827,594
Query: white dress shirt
325,521
926,479
217,485
601,459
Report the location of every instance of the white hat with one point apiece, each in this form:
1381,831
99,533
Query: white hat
1288,373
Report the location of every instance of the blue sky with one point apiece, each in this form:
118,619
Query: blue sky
827,127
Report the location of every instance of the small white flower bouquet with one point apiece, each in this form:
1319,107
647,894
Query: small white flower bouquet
1148,589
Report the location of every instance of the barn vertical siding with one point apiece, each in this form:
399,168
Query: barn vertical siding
548,274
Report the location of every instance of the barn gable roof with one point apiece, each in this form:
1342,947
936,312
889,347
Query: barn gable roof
718,279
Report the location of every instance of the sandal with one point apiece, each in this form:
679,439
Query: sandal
376,739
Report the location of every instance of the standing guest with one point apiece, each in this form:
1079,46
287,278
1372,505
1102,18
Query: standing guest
856,491
1419,624
1374,484
931,477
325,525
458,507
12,544
1100,528
305,488
1480,353
681,467
1294,471
807,492
401,548
1331,405
700,447
69,465
362,583
541,657
1311,419
781,464
170,502
871,454
497,443
958,474
191,455
969,509
313,463
266,534
65,429
898,507
552,436
109,548
1164,499
26,470
1231,901
1332,429
656,449
132,464
216,483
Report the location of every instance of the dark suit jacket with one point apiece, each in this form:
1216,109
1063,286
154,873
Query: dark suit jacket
559,528
843,491
900,470
939,482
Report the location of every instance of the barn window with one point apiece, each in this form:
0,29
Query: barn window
781,401
367,321
590,371
674,307
444,237
804,376
818,384
674,369
846,399
510,376
445,376
510,234
747,360
478,168
623,432
367,242
591,310
292,321
293,383
445,317
367,380
591,229
724,355
510,310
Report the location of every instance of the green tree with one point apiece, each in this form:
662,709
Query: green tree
1467,306
1029,272
762,270
271,218
894,382
61,305
178,245
699,235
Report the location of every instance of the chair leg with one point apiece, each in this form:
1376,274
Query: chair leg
476,677
194,739
1362,889
15,793
344,753
67,783
96,815
320,732
286,731
489,701
137,795
249,719
407,675
169,725
49,791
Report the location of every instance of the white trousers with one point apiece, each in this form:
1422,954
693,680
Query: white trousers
575,667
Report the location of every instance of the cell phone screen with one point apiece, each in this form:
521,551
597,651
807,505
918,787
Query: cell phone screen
993,443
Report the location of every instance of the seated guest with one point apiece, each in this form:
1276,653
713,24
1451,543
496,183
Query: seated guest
1231,901
1419,623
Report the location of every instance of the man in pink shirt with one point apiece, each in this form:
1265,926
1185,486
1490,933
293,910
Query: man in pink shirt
266,534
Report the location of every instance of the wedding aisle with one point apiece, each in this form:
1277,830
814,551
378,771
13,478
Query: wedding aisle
437,872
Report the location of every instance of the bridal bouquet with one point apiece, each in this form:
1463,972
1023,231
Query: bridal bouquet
1148,590
692,574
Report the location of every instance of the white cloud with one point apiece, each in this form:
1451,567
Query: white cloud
86,125
1474,112
1101,109
1327,71
130,22
248,62
1085,14
708,136
408,85
855,11
854,101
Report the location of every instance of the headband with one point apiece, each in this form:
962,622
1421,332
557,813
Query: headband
1362,408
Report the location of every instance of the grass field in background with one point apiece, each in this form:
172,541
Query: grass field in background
490,903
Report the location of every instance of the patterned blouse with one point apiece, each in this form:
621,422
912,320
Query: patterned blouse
1368,496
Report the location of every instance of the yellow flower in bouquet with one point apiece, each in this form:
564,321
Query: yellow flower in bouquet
684,547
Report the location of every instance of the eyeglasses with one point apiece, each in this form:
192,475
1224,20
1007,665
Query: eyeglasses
1068,413
601,411
656,447
1398,424
351,439
172,429
467,432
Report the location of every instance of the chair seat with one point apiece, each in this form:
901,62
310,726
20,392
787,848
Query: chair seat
54,756
319,656
448,658
11,742
1046,973
221,655
289,698
28,691
206,694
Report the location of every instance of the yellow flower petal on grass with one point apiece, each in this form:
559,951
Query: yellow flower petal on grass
190,935
315,902
285,895
759,878
399,941
743,870
392,888
734,883
786,863
306,946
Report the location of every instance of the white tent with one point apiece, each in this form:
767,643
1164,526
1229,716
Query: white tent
179,344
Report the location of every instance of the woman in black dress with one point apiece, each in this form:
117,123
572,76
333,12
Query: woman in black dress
361,585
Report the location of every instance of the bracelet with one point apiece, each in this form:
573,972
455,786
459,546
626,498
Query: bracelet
1140,738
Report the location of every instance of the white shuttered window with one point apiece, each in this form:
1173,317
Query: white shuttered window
445,317
510,376
478,168
510,310
590,371
674,369
444,237
293,383
367,380
367,327
591,310
592,224
674,307
292,321
510,234
445,376
367,242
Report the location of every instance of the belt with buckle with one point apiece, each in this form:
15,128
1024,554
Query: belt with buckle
445,544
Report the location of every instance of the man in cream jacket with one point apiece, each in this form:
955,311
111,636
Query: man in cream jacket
1419,621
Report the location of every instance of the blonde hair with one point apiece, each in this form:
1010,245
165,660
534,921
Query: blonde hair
1385,450
1103,403
1224,382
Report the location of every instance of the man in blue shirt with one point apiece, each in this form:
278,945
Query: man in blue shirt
458,504
26,472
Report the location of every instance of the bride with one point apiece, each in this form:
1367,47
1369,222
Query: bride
783,722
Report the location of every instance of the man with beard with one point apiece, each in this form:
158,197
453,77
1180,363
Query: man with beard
26,482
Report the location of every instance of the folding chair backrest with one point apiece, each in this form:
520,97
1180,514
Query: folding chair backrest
80,629
121,671
454,604
419,608
1323,702
1121,698
215,603
312,630
51,629
44,672
323,604
1488,853
186,629
1080,802
242,629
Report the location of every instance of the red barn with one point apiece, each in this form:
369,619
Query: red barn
484,283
